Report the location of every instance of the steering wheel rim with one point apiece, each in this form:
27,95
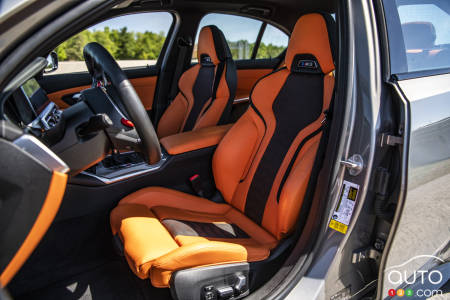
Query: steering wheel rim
99,63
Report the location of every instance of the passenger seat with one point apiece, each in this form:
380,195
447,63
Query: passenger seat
206,90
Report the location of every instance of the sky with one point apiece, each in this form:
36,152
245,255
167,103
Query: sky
153,21
7,5
234,27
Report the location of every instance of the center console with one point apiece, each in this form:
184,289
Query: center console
187,150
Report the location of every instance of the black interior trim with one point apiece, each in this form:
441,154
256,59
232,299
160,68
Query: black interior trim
202,92
231,79
21,200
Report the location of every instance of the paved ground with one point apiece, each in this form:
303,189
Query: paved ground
80,66
425,223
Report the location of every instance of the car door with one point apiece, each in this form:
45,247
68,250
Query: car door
416,264
32,183
137,41
257,50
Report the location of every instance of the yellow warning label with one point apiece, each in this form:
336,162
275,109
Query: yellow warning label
342,214
338,226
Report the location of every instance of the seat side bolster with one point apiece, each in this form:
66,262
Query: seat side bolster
235,152
293,191
160,196
195,255
173,118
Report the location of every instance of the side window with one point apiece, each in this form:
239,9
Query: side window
242,33
426,36
273,42
134,40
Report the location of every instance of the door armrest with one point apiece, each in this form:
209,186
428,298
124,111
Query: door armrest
194,140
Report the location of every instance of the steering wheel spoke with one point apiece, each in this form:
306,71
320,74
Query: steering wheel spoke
102,66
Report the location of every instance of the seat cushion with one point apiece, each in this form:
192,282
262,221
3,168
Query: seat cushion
164,231
135,223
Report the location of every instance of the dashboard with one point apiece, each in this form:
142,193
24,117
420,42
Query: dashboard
81,135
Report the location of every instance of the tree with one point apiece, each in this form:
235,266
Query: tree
122,44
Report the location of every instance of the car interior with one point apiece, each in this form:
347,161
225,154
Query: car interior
197,178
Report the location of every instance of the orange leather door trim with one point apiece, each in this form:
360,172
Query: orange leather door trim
48,212
144,86
194,140
57,96
247,79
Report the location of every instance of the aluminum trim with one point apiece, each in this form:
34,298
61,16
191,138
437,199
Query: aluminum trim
145,169
241,100
41,152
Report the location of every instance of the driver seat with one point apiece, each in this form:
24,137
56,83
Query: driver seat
262,168
206,90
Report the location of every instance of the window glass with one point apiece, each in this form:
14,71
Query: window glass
240,32
273,42
425,26
134,40
8,5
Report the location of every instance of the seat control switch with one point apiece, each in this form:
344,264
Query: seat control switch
225,292
209,293
241,284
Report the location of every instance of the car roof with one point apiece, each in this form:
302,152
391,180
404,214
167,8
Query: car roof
282,12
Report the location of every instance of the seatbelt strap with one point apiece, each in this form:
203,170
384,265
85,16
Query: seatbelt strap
183,44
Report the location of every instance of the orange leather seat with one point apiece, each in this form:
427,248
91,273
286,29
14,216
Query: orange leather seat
262,168
206,90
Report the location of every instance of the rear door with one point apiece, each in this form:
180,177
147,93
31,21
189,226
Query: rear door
257,48
419,47
136,41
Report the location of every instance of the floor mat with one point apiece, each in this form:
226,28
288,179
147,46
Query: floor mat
113,280
69,248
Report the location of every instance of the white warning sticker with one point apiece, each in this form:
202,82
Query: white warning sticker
344,209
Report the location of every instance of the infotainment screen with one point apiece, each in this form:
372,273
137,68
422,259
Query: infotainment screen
30,87
35,94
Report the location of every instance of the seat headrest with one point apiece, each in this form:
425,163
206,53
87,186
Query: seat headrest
212,43
419,35
309,47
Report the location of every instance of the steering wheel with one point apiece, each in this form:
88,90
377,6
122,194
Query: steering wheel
100,65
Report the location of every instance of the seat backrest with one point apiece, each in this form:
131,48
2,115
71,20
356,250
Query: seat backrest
263,165
206,90
419,35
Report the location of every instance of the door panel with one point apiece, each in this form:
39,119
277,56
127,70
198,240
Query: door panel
31,193
61,87
144,86
246,80
419,52
428,174
248,73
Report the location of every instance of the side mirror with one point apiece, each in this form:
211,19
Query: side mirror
52,63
